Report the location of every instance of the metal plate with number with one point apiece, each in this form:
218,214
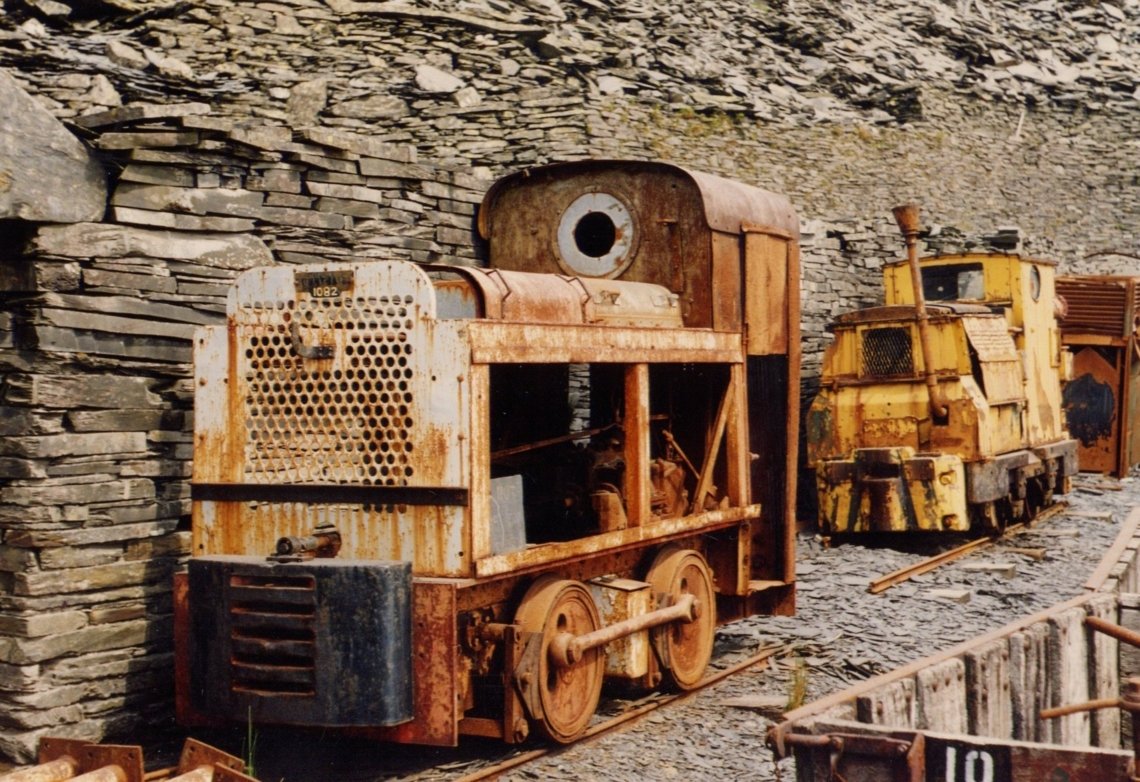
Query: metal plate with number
325,285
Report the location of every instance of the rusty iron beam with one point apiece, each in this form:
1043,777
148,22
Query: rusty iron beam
883,583
1077,708
329,492
535,558
714,437
1130,637
581,434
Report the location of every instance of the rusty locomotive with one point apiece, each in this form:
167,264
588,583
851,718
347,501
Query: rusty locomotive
434,501
947,416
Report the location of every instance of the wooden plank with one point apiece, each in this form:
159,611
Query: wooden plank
1115,552
940,696
1068,673
894,705
1028,675
1104,673
988,690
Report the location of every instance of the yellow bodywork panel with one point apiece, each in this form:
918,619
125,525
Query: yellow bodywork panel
860,409
892,490
1024,290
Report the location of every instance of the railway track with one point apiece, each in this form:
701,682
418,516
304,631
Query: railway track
619,721
844,623
883,583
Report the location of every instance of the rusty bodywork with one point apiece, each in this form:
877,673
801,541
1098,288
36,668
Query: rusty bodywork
61,759
1102,398
966,432
435,500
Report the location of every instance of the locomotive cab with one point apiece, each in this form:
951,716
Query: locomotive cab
984,443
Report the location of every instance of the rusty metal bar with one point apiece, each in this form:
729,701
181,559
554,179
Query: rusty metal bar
105,774
201,774
677,447
58,770
1130,637
907,218
567,649
884,583
704,482
581,434
1076,708
807,740
638,489
327,543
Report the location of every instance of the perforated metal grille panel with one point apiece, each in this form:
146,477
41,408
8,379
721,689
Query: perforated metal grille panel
348,419
887,352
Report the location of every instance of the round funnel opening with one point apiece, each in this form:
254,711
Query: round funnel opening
595,234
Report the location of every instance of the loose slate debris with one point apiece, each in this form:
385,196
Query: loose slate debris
842,634
486,62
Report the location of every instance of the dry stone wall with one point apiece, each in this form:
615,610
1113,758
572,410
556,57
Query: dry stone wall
95,405
240,134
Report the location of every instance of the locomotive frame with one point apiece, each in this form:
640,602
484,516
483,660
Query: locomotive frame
410,520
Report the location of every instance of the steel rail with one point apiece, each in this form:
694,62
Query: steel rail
883,583
613,723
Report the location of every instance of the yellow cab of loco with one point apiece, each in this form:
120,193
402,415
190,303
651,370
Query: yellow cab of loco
884,461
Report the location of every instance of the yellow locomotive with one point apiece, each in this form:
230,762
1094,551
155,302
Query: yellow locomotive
941,410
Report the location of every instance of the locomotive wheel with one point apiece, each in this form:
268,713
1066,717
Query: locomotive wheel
684,648
568,696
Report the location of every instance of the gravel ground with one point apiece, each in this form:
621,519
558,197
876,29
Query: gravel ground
840,635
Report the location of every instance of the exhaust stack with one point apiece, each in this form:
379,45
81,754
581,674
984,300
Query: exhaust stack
907,218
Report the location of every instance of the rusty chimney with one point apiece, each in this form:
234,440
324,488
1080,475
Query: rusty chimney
907,218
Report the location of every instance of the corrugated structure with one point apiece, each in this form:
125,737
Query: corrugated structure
1101,401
